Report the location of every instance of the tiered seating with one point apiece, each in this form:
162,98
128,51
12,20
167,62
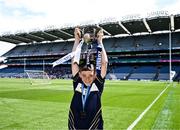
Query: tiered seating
176,40
120,72
164,73
41,49
12,72
144,73
135,43
18,72
150,42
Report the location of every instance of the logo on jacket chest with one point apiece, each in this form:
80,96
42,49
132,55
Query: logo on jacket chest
93,88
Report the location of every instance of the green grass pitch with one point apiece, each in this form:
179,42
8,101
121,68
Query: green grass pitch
27,107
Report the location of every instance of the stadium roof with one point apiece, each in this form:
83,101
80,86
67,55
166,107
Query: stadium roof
111,28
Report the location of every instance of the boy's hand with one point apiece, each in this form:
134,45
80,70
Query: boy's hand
77,33
100,35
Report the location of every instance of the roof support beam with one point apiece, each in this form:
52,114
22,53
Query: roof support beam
10,40
66,33
146,25
104,30
125,29
50,35
23,39
35,37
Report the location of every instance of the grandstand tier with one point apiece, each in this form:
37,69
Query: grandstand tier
131,57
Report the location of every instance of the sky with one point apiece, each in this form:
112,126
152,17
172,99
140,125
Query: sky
27,15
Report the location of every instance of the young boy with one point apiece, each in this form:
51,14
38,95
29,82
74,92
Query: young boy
85,109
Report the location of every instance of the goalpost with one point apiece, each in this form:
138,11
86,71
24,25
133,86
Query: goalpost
38,77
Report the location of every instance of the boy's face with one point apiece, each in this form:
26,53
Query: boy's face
87,77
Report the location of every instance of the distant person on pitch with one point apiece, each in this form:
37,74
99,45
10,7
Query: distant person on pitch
85,109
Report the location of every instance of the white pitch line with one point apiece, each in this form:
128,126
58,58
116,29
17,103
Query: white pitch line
147,109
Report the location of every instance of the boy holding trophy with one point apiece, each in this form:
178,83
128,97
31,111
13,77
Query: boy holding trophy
88,81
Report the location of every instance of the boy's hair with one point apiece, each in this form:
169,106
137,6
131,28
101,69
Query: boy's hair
89,67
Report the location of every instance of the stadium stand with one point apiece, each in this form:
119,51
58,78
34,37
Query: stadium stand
141,54
137,43
144,73
163,73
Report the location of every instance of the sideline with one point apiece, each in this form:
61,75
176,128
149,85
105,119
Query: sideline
147,109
